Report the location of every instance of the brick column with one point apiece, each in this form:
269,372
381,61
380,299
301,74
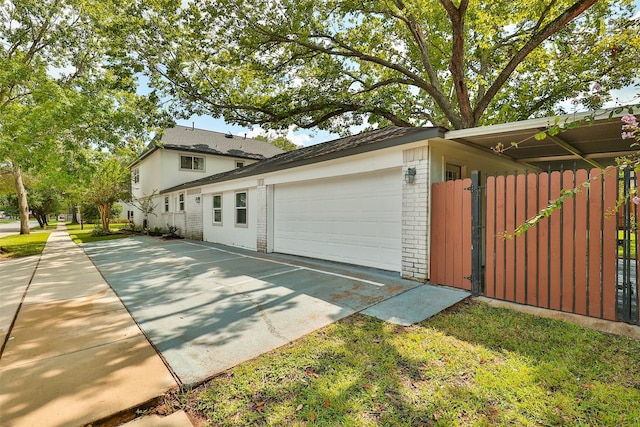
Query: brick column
193,215
415,216
262,220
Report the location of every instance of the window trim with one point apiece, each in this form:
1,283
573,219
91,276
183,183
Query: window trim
181,203
214,209
135,175
167,204
193,157
238,208
240,163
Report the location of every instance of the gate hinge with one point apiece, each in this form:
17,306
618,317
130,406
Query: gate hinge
469,278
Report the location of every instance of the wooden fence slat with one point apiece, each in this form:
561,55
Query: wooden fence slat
531,238
466,253
596,212
521,257
581,246
500,282
610,249
555,249
568,232
510,256
456,238
437,234
543,245
490,279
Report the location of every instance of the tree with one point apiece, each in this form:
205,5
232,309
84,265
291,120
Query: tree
336,63
65,87
146,205
110,183
279,141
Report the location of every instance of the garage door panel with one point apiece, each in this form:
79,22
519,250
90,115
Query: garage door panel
350,219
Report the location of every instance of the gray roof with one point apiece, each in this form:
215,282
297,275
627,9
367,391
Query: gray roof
189,139
348,146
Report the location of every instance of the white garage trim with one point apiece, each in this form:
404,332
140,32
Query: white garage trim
356,219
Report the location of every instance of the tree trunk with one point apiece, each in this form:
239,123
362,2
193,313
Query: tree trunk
105,212
23,205
74,215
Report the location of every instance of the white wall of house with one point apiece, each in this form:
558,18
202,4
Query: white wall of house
228,232
160,170
448,152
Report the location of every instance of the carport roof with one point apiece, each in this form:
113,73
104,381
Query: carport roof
347,146
595,144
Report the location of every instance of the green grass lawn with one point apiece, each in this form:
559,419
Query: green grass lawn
21,245
84,236
473,365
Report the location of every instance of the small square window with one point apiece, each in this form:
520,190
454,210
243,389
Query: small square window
241,208
198,163
217,209
239,164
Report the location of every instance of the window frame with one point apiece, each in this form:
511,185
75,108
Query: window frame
193,163
167,204
239,164
244,208
135,175
182,198
214,209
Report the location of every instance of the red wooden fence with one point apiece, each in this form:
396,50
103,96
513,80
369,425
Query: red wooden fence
451,233
567,262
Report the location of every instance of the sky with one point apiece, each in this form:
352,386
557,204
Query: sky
308,137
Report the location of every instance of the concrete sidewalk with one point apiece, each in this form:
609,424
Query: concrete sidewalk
74,354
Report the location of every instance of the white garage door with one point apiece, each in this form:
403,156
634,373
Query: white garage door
354,219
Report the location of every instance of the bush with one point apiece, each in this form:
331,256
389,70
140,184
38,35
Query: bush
99,231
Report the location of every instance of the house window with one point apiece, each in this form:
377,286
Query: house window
241,208
181,202
166,204
239,164
135,175
217,209
452,172
192,163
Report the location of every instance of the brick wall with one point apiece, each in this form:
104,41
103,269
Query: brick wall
261,211
415,216
193,226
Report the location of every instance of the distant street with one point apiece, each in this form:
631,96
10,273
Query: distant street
14,228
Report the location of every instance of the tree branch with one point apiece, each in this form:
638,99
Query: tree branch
553,27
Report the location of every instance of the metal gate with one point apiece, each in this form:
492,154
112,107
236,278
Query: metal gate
627,297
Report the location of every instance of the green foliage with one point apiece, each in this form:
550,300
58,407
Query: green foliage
331,64
110,182
281,142
91,214
66,89
474,365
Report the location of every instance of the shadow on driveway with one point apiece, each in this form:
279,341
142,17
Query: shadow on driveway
208,307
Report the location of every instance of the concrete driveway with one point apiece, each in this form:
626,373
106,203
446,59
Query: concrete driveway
208,307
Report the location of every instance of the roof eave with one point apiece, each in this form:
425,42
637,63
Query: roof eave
425,134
